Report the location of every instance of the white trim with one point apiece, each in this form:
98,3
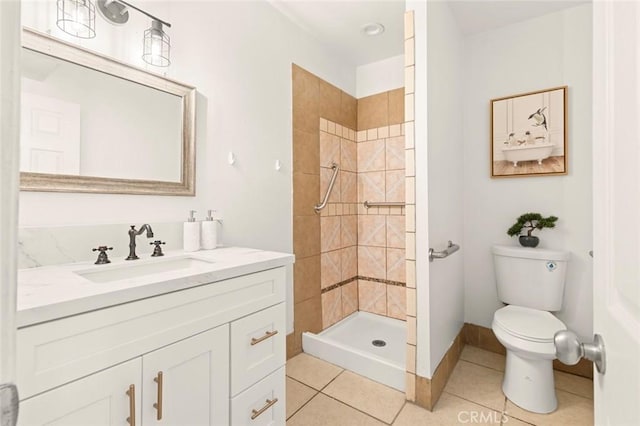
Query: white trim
9,161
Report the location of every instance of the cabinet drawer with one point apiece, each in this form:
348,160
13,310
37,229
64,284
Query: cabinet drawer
257,346
264,401
60,351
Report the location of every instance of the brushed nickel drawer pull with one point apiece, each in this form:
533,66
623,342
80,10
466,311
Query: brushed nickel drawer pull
267,335
158,405
269,404
132,405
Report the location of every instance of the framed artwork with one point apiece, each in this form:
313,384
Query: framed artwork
529,134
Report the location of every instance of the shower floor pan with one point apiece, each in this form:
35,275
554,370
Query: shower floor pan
371,345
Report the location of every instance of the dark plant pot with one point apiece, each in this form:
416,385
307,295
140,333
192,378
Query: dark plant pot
527,241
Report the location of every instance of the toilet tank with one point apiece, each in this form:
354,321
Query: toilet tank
530,277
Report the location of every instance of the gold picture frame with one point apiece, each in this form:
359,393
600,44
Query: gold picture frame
529,134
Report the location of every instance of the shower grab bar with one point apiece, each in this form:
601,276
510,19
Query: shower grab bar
324,202
368,204
451,248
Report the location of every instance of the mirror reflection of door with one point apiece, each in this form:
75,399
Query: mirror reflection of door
50,135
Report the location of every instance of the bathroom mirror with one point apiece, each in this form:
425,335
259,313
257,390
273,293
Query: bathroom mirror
90,123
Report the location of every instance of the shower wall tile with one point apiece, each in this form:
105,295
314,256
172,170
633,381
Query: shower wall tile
349,262
305,100
331,307
396,267
330,101
410,273
395,130
371,156
409,107
306,241
395,153
410,161
330,268
330,233
306,278
371,186
349,235
411,302
306,151
348,155
305,190
310,96
396,302
396,231
395,185
372,134
373,111
329,149
372,262
396,106
348,187
411,359
371,231
411,330
349,298
372,297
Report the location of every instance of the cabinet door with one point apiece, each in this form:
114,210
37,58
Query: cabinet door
187,383
99,399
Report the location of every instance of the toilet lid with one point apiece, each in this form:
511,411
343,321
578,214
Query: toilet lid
529,324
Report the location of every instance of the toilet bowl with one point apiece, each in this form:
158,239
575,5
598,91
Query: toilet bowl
531,281
527,334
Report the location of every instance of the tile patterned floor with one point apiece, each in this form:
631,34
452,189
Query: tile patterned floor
322,394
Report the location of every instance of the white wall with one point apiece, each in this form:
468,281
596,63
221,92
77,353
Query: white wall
380,76
238,55
445,181
545,52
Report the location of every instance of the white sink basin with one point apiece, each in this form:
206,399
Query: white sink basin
133,270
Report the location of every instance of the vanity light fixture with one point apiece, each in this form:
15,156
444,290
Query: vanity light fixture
77,17
156,45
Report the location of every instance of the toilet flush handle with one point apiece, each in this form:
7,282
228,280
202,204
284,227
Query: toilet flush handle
569,350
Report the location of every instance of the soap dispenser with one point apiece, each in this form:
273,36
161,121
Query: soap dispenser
209,232
191,235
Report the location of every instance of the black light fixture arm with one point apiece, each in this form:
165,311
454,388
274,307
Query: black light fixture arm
143,12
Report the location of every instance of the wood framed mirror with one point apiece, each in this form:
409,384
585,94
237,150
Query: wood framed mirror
93,124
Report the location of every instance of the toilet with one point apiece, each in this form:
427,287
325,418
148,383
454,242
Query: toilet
531,282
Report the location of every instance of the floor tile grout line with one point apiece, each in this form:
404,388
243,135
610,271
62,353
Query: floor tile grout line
357,409
399,411
332,380
303,405
469,400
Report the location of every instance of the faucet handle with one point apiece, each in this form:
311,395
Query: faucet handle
157,251
102,256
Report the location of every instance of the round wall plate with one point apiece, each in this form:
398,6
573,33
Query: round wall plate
112,11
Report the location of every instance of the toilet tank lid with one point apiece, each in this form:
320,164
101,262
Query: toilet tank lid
530,253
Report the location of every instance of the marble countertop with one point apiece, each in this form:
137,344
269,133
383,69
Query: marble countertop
52,292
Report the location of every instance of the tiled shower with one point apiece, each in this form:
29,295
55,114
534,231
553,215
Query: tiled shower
348,257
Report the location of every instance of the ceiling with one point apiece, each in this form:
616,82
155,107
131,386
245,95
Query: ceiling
338,23
475,16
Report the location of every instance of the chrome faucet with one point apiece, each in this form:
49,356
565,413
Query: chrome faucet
132,239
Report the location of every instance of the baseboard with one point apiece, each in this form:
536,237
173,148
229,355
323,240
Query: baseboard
428,391
483,338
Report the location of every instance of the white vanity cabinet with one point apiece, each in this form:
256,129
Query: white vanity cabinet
206,355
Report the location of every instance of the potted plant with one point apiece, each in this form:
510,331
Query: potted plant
528,222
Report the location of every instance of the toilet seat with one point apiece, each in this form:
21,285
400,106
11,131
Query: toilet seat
528,324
